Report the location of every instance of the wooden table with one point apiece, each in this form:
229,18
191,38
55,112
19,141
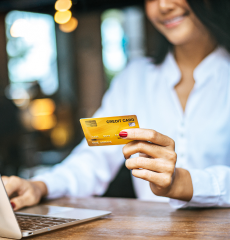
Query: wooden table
133,219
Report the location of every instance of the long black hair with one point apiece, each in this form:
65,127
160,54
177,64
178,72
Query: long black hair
214,14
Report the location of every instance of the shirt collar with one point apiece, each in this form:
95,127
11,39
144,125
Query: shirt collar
209,67
171,70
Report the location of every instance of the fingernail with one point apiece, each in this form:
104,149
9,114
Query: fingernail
13,205
123,134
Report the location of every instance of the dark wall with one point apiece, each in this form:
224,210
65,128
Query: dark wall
78,5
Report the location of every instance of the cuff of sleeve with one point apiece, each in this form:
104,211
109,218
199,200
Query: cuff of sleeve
206,191
56,186
48,182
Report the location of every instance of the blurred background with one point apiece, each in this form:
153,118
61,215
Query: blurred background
57,60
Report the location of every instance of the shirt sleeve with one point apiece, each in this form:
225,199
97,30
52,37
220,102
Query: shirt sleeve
210,188
88,170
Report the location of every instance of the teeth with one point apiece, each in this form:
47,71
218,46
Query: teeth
176,19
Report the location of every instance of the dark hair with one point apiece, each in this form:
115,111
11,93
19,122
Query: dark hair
214,14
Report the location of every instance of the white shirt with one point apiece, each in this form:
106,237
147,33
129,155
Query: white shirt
201,133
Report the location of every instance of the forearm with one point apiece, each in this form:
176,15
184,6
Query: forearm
182,188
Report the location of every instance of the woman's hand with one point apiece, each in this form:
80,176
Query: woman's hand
22,192
156,163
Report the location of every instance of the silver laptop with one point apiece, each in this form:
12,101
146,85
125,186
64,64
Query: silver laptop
39,219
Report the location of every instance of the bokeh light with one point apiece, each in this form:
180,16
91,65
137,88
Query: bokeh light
42,114
59,136
63,5
43,122
62,17
19,28
70,26
42,107
20,97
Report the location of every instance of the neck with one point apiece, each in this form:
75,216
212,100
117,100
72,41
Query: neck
190,55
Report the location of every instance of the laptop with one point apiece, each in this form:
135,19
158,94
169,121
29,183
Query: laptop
39,219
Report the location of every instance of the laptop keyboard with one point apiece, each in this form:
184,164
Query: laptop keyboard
32,223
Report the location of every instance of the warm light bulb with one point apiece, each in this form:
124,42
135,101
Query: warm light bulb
63,5
70,26
62,17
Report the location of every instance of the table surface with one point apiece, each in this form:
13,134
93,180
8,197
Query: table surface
134,219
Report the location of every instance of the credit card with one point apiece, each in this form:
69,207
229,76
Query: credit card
105,131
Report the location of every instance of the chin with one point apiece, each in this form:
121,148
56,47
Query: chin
180,38
178,41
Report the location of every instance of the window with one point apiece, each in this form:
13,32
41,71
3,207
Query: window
31,49
113,42
123,38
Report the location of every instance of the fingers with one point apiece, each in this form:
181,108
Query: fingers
148,135
13,184
156,165
144,155
156,161
149,149
161,180
24,193
25,200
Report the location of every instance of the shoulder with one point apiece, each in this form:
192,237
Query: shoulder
137,69
142,71
138,74
140,64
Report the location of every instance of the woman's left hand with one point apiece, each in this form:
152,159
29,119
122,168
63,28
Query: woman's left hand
156,163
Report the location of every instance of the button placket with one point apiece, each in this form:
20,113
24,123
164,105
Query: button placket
181,143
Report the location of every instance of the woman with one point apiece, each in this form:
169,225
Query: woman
184,96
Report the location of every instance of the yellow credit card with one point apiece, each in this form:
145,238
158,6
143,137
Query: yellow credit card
105,131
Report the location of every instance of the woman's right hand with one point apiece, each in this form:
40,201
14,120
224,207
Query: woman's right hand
24,193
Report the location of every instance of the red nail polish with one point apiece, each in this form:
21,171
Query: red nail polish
13,205
123,134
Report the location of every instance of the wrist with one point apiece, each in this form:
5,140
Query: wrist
41,188
182,188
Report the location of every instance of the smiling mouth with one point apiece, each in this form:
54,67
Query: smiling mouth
174,21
